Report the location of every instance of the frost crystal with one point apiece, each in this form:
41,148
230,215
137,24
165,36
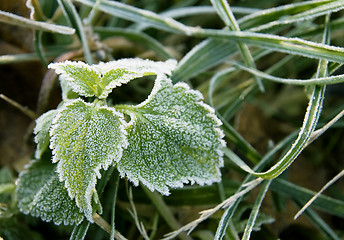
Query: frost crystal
41,130
84,139
173,139
99,80
41,194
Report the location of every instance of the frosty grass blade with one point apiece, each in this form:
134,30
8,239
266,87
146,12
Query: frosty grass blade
41,194
174,139
85,138
43,124
99,80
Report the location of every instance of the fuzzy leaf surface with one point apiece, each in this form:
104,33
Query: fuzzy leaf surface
41,194
86,138
99,79
43,124
174,139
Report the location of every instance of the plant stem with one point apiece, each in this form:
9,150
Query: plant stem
106,226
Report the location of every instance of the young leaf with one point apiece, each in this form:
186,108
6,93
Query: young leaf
85,138
173,139
43,124
99,80
41,194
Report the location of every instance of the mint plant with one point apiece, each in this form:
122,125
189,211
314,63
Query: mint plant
170,139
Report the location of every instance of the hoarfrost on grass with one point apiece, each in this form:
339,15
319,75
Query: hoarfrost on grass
173,139
84,139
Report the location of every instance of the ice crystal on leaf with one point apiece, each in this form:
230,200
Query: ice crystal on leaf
43,124
41,194
86,137
99,80
173,139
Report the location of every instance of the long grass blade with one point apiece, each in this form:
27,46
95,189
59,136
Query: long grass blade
264,17
13,19
302,195
310,121
301,82
224,11
135,36
226,217
198,10
330,7
79,231
203,56
73,16
255,210
332,181
165,212
319,223
134,14
113,209
288,45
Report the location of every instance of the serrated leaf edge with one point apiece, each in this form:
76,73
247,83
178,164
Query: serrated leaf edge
105,166
211,114
39,125
71,81
31,205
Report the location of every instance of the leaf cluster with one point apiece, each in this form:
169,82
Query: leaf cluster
263,66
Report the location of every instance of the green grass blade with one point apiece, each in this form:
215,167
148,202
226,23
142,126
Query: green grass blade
215,80
235,138
302,195
301,82
198,10
135,36
39,47
255,210
319,223
226,217
114,200
164,211
269,15
134,14
339,175
288,45
73,16
203,56
79,231
224,11
13,19
330,7
310,121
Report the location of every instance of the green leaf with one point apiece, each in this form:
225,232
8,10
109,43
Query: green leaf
99,80
43,124
85,138
41,194
173,139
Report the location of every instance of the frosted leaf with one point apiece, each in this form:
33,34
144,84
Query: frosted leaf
67,90
43,124
99,79
85,138
83,79
174,139
41,194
